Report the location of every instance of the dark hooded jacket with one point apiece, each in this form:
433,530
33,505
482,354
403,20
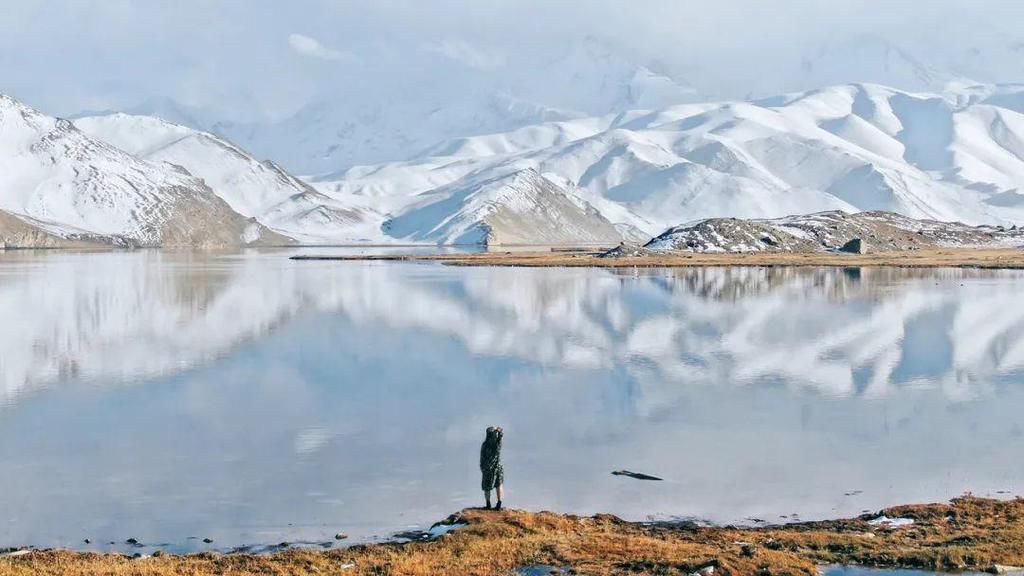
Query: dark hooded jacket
490,460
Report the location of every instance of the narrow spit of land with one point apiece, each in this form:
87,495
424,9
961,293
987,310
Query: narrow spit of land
930,258
967,534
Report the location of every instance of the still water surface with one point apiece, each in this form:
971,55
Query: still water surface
252,399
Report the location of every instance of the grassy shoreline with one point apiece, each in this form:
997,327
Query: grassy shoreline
992,258
967,534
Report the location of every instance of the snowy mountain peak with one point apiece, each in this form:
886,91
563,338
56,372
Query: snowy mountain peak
60,182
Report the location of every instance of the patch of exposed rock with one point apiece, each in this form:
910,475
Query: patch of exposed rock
822,231
206,221
626,250
854,246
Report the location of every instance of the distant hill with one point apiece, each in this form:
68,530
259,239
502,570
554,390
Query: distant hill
861,232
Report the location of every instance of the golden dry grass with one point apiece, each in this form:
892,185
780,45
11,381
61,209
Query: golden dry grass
931,258
967,534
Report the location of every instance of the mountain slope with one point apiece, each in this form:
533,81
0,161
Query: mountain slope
250,187
57,184
23,232
522,208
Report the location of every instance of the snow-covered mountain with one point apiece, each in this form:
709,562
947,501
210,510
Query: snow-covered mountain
59,186
259,190
953,156
521,208
398,102
956,156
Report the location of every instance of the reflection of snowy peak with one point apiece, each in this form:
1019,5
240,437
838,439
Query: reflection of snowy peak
113,318
523,208
64,185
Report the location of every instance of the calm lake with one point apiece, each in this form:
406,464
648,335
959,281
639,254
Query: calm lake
251,399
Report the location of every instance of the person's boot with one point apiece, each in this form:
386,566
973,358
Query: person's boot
488,506
498,507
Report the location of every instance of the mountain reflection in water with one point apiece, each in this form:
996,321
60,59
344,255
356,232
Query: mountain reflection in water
254,399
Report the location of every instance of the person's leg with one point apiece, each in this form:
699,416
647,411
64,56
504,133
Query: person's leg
487,498
500,490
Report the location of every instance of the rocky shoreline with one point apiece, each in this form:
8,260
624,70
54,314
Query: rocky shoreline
967,534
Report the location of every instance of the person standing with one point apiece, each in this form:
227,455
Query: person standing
491,470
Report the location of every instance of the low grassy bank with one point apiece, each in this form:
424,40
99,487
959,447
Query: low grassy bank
933,258
966,534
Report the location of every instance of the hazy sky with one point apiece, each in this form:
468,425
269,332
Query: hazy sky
264,59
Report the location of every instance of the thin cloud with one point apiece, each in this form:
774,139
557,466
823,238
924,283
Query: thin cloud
313,48
466,54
